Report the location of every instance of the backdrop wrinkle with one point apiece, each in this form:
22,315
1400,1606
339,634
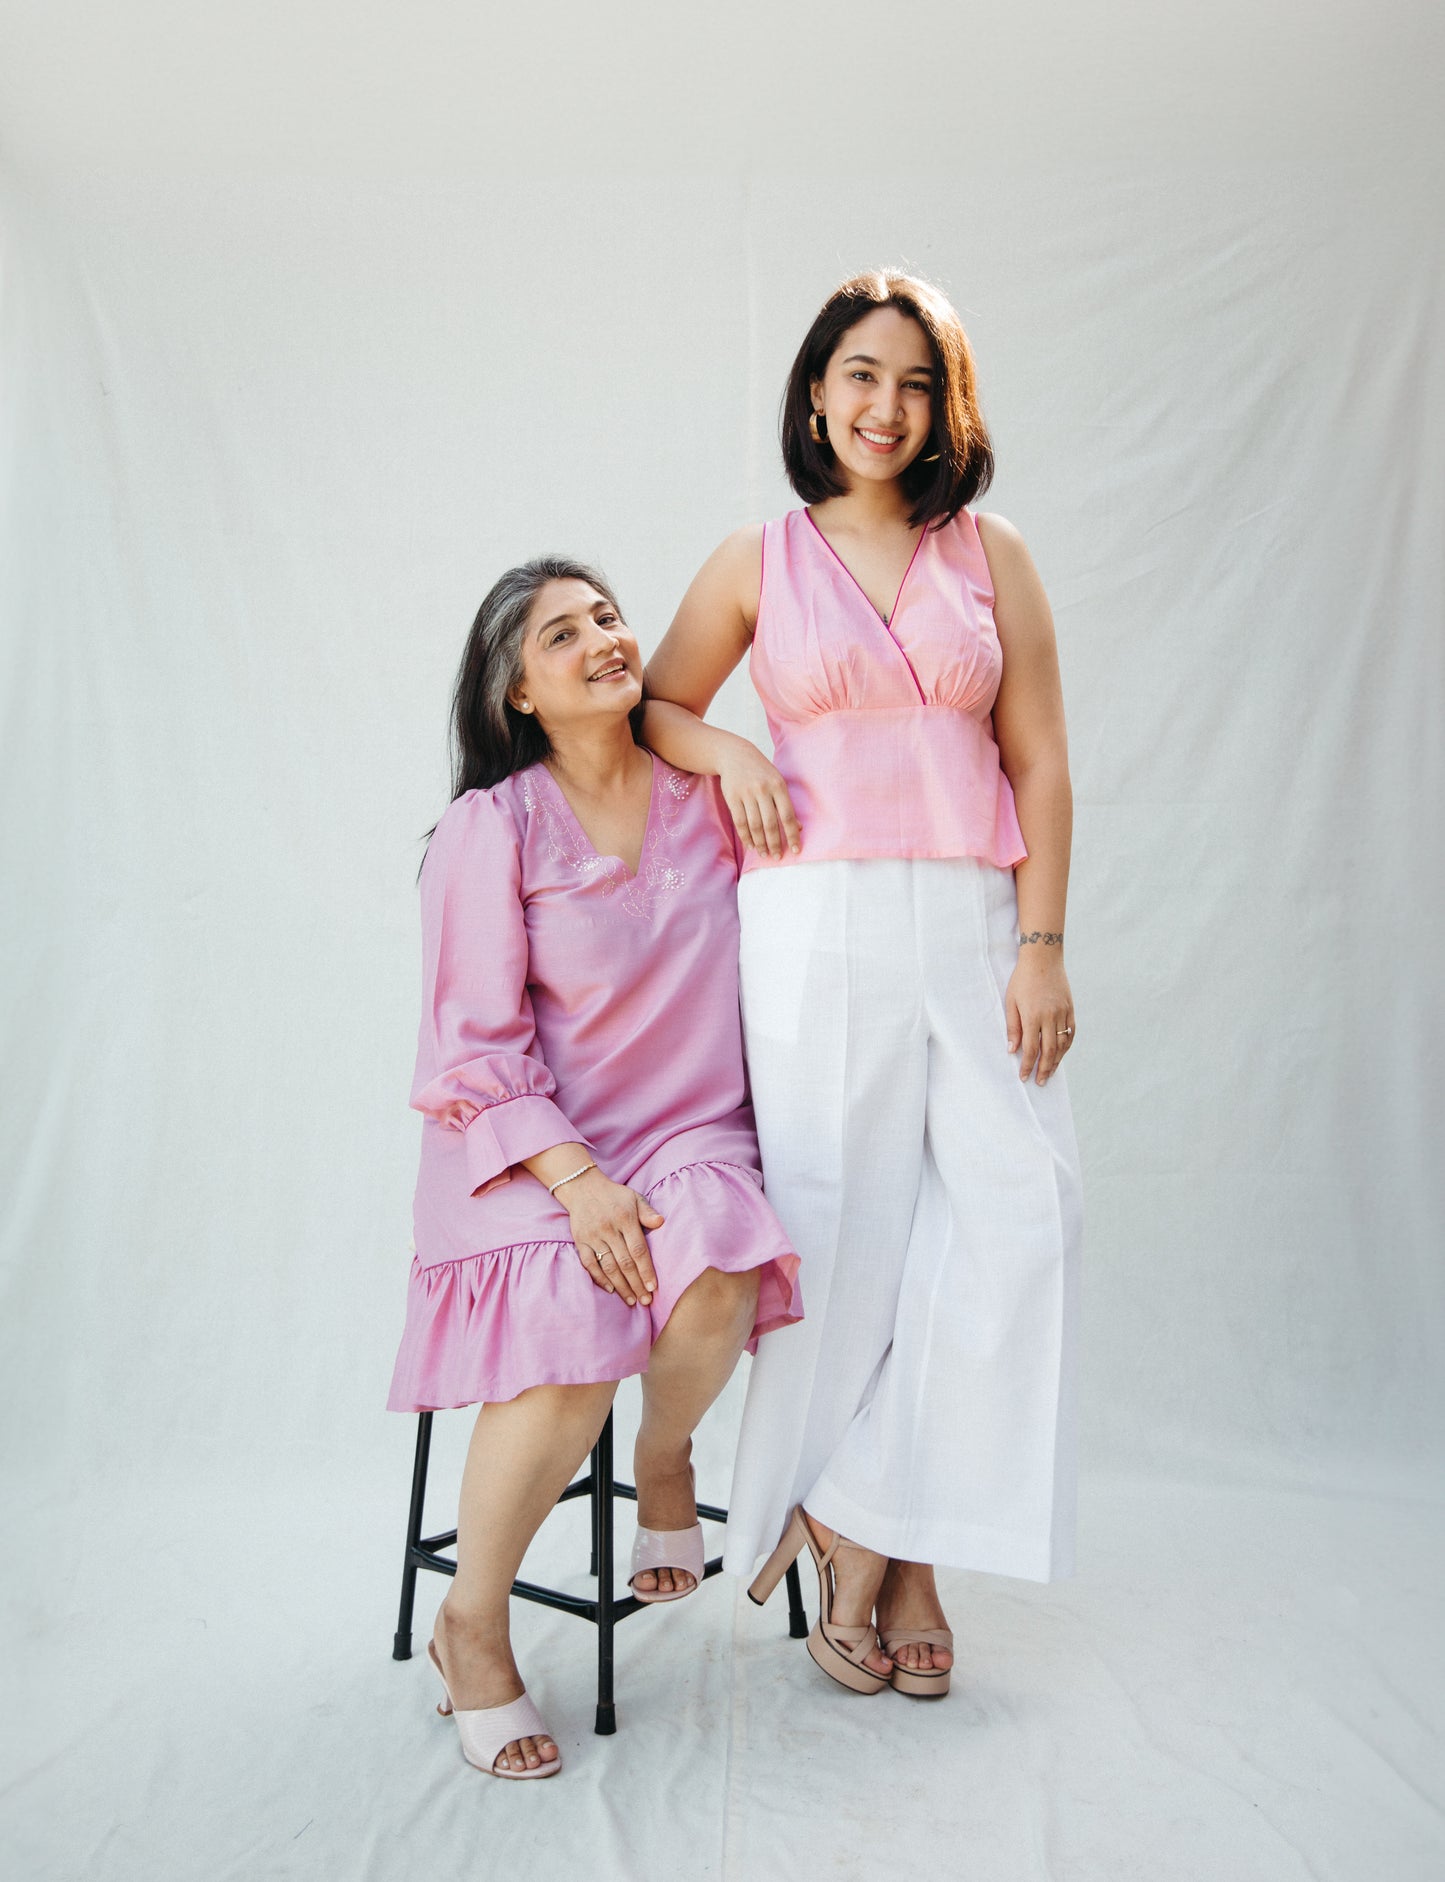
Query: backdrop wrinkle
305,333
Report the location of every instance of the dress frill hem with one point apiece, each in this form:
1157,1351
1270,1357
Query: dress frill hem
482,1329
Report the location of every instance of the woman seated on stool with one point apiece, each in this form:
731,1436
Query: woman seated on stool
589,1204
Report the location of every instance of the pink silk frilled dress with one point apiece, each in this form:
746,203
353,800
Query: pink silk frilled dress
567,1000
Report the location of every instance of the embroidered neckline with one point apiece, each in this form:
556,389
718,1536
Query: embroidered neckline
657,874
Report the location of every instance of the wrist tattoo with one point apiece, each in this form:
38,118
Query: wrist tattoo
1049,940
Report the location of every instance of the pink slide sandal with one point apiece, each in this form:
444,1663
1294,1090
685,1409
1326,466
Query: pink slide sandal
487,1731
667,1548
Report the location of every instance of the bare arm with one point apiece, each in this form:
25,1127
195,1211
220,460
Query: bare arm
1028,720
713,627
710,634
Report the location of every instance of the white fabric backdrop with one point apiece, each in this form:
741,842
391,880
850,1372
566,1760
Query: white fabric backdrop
311,323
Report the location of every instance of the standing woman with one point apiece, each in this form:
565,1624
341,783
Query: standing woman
905,1006
589,1204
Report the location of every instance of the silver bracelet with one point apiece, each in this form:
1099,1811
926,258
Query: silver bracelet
552,1188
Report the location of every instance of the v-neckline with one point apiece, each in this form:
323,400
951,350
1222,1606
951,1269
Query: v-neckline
888,619
629,875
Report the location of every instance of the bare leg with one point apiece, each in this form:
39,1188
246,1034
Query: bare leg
523,1454
909,1598
691,1361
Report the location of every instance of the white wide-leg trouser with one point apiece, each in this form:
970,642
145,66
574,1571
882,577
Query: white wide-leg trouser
925,1406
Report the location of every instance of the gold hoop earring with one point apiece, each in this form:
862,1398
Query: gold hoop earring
931,460
817,428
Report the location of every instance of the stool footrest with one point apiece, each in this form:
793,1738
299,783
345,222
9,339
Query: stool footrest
604,1608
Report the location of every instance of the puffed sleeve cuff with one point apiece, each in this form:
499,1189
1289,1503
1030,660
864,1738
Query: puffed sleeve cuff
509,1132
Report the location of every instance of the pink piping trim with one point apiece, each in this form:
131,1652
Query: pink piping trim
762,583
982,553
887,625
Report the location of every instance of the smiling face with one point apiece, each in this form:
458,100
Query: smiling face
876,394
580,660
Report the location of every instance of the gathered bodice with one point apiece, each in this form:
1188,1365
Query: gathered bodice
821,645
883,729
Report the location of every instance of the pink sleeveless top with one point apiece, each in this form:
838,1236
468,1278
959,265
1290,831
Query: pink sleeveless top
883,731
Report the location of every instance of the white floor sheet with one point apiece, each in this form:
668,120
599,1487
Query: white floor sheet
1238,1684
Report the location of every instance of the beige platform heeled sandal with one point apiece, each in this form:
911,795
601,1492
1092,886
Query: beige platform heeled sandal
918,1681
487,1731
837,1649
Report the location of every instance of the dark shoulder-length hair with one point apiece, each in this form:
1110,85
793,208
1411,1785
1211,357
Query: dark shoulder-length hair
956,464
490,738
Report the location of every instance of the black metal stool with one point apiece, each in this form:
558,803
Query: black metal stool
605,1610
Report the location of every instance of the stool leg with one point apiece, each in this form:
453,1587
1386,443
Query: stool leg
592,1506
401,1639
797,1618
602,1530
